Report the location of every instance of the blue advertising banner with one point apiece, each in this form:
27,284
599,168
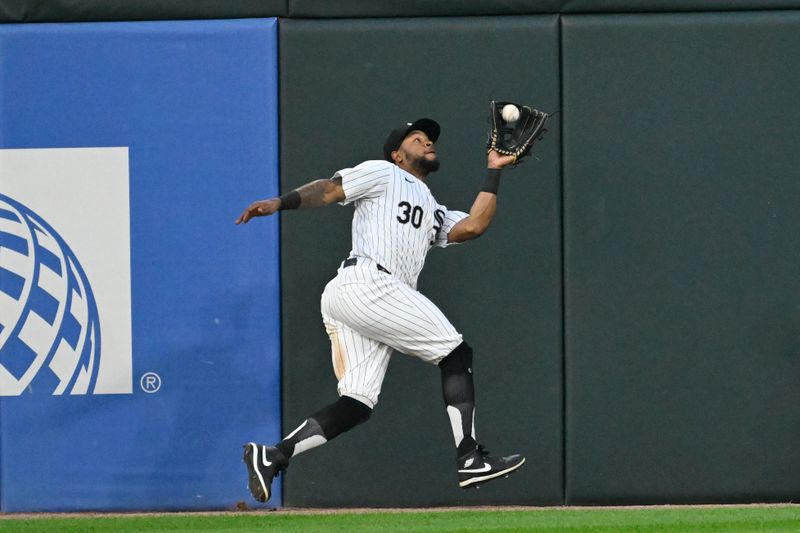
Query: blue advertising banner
139,327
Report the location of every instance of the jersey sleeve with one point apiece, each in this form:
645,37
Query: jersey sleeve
445,220
365,181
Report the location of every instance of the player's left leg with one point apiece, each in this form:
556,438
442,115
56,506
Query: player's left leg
458,391
474,463
412,324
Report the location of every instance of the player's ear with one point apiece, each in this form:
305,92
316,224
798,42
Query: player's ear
396,157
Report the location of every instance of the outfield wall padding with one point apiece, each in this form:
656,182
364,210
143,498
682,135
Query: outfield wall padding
127,150
660,209
681,248
454,8
361,79
118,10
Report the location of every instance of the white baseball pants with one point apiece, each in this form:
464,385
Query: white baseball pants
367,314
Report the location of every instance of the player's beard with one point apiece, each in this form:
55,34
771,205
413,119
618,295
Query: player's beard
428,165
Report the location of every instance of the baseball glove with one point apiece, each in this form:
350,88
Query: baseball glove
518,137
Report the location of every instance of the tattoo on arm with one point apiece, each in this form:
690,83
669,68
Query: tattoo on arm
317,193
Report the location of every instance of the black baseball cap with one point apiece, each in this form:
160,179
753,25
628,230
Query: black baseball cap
429,126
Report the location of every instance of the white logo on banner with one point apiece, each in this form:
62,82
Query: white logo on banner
65,304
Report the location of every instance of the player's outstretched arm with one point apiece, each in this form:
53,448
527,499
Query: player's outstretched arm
483,208
317,193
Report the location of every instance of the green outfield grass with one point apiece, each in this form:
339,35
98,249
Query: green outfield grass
658,519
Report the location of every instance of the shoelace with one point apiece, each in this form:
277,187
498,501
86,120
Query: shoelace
480,451
281,465
483,452
282,468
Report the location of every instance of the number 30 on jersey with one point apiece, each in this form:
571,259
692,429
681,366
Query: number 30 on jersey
414,214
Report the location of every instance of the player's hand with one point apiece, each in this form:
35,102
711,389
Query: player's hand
497,160
259,209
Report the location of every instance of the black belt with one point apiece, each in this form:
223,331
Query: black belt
353,260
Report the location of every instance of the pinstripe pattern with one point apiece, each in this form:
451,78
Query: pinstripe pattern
369,313
383,195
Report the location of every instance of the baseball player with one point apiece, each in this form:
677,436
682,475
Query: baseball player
372,308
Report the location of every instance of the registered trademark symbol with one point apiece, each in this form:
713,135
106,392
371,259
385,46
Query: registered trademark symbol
150,382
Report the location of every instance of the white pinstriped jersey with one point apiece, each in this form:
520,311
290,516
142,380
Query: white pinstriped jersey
397,219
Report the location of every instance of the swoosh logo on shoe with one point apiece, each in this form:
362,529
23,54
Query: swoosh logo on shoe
485,468
264,460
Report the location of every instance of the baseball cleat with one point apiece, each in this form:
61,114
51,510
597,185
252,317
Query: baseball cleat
479,467
264,463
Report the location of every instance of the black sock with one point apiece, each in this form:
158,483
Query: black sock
458,391
340,416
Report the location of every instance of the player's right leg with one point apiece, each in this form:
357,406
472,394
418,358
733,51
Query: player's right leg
264,463
360,366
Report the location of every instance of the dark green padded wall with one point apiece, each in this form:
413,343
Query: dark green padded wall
450,8
344,85
669,6
109,10
411,8
681,257
118,10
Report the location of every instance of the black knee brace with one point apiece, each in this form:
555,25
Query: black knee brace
456,369
340,416
458,361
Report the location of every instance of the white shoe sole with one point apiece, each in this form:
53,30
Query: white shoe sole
479,479
254,468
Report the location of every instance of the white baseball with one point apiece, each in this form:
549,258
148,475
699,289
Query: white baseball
510,113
